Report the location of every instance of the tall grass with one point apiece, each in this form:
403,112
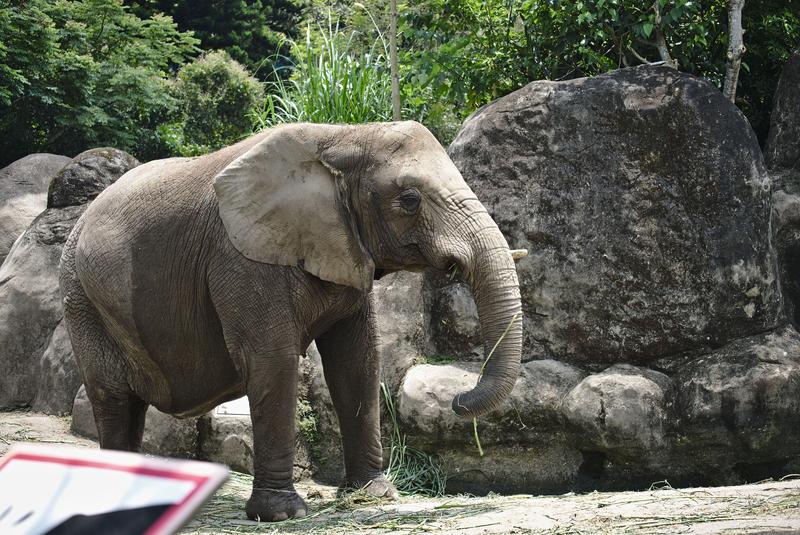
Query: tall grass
412,471
333,83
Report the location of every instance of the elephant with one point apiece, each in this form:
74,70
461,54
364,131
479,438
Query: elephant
193,281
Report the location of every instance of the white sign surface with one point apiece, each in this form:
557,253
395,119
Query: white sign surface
237,407
53,490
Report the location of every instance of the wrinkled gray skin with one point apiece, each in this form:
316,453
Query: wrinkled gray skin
190,282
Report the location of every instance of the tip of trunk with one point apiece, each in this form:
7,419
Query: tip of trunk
485,397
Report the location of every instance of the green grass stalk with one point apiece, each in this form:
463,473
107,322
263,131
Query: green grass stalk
411,470
483,368
332,83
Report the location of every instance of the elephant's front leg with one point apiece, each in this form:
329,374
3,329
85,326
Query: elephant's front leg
351,364
272,391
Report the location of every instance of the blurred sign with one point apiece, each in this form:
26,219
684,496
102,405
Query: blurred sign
59,491
237,407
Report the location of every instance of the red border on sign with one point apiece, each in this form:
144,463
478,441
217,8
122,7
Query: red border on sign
168,515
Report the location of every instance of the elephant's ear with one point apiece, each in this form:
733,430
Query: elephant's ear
280,204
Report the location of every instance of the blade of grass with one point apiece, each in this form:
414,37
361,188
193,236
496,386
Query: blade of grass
483,367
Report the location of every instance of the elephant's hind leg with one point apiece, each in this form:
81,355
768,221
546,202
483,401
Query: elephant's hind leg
118,412
119,418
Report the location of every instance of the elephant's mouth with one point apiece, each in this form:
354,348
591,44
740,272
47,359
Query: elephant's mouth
382,272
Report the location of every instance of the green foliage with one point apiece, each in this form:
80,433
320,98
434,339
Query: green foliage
308,429
216,97
772,33
253,32
411,470
76,74
469,53
80,74
332,84
466,53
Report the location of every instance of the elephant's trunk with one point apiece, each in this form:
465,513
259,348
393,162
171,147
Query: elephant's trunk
492,278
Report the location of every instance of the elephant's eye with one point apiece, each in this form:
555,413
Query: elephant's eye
409,201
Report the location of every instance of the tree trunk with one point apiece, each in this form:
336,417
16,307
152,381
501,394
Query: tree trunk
736,48
393,63
661,42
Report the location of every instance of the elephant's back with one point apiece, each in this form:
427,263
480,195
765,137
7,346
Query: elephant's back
161,194
129,228
156,215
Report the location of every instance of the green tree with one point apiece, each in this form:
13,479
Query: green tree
216,99
253,32
85,73
467,53
772,33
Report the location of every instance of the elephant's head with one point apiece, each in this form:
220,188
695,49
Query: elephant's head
349,203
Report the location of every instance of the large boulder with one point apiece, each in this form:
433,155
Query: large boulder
643,199
425,402
782,154
89,173
36,358
23,194
782,151
524,448
730,416
656,344
742,402
623,409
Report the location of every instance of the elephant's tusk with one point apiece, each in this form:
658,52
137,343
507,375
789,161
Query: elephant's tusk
516,254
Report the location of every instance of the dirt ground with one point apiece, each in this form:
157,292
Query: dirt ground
766,507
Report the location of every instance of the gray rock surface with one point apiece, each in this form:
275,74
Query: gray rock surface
533,407
782,151
742,402
523,442
91,172
782,155
623,409
321,428
786,241
227,440
545,466
168,436
645,204
23,194
643,199
30,311
400,310
37,363
82,416
727,417
454,328
58,374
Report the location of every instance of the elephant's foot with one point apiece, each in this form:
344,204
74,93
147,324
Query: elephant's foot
275,505
379,487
